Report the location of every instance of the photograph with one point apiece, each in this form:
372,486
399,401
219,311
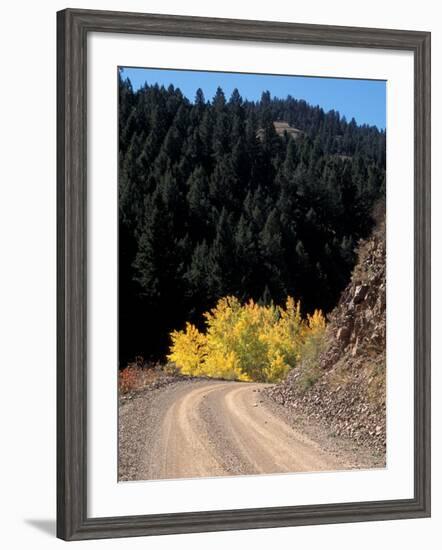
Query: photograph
251,274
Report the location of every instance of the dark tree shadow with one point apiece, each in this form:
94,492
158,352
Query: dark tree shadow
47,526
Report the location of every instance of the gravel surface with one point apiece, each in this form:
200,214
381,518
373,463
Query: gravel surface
138,416
205,428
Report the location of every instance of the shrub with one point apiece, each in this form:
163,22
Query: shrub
246,342
135,377
188,350
311,348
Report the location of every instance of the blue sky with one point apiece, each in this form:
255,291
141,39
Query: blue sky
365,100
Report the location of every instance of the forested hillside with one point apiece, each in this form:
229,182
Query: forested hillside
214,203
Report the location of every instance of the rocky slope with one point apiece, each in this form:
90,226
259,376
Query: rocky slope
345,390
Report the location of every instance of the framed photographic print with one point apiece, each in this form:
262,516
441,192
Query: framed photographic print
243,274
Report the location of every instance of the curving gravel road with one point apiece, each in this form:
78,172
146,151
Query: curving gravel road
212,428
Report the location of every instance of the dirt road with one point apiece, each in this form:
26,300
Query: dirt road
214,428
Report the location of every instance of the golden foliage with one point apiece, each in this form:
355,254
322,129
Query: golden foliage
246,342
188,350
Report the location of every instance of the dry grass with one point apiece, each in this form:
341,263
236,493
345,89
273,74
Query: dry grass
135,377
376,385
367,372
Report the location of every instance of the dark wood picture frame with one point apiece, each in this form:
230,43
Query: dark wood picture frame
73,27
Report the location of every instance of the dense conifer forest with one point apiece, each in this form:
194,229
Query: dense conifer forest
214,202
